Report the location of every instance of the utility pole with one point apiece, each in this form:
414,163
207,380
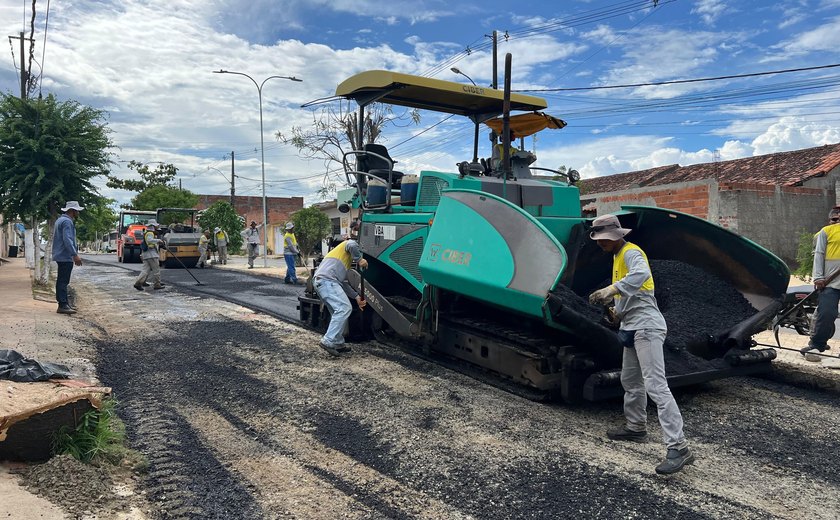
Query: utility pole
24,77
495,60
232,182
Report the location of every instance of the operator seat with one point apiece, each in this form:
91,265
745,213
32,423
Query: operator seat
378,167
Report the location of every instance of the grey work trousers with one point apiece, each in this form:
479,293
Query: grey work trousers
222,254
253,252
202,260
643,374
151,268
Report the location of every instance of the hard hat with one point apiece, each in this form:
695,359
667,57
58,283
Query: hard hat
217,229
152,223
290,225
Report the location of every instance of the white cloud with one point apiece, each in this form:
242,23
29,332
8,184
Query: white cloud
826,38
710,10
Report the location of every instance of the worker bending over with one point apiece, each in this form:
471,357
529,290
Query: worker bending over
826,262
334,289
642,331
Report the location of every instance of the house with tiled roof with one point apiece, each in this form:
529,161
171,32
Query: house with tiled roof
771,199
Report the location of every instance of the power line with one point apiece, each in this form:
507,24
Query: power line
679,81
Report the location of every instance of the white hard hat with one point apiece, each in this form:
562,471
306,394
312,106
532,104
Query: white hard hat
152,223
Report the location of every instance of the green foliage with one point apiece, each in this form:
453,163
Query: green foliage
222,214
49,153
804,256
99,435
161,196
162,175
311,227
97,219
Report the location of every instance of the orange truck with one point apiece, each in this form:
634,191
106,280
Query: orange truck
131,227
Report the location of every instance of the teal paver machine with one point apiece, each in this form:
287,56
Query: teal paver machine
486,269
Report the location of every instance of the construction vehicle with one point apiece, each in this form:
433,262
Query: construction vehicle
485,269
132,225
181,234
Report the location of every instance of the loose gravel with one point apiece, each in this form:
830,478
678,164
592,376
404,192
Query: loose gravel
243,416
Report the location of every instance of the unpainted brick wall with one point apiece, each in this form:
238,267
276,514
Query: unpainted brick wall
774,216
279,208
691,198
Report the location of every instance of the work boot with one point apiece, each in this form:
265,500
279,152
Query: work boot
343,349
626,434
675,460
159,286
332,350
138,286
65,309
811,347
146,284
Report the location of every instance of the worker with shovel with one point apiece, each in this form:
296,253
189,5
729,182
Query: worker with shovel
826,262
150,256
642,331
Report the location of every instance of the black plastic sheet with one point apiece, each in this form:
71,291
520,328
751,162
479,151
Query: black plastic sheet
15,367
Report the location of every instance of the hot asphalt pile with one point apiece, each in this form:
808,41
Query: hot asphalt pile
695,304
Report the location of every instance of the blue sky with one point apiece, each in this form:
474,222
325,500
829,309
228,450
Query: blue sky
148,64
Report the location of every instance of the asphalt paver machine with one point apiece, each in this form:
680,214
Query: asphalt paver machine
487,269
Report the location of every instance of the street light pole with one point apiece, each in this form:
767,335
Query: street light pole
262,149
456,70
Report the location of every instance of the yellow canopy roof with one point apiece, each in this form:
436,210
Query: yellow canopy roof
524,125
479,103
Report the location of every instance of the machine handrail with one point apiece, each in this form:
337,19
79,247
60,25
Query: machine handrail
348,171
571,179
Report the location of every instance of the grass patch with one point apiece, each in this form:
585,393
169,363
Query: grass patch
99,437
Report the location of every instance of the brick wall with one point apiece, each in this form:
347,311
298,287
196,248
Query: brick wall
279,208
774,216
690,197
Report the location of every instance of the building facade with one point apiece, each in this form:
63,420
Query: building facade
771,199
279,211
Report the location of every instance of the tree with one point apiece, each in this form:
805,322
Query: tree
805,255
162,175
50,151
222,214
311,227
335,132
156,197
95,220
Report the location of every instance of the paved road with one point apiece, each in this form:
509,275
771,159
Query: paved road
259,292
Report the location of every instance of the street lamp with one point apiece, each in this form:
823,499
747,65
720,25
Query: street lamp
232,182
456,70
262,147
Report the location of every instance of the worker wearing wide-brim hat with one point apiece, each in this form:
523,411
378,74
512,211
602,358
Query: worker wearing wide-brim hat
65,254
220,238
150,257
290,253
642,331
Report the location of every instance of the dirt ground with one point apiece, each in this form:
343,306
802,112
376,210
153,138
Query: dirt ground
243,416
